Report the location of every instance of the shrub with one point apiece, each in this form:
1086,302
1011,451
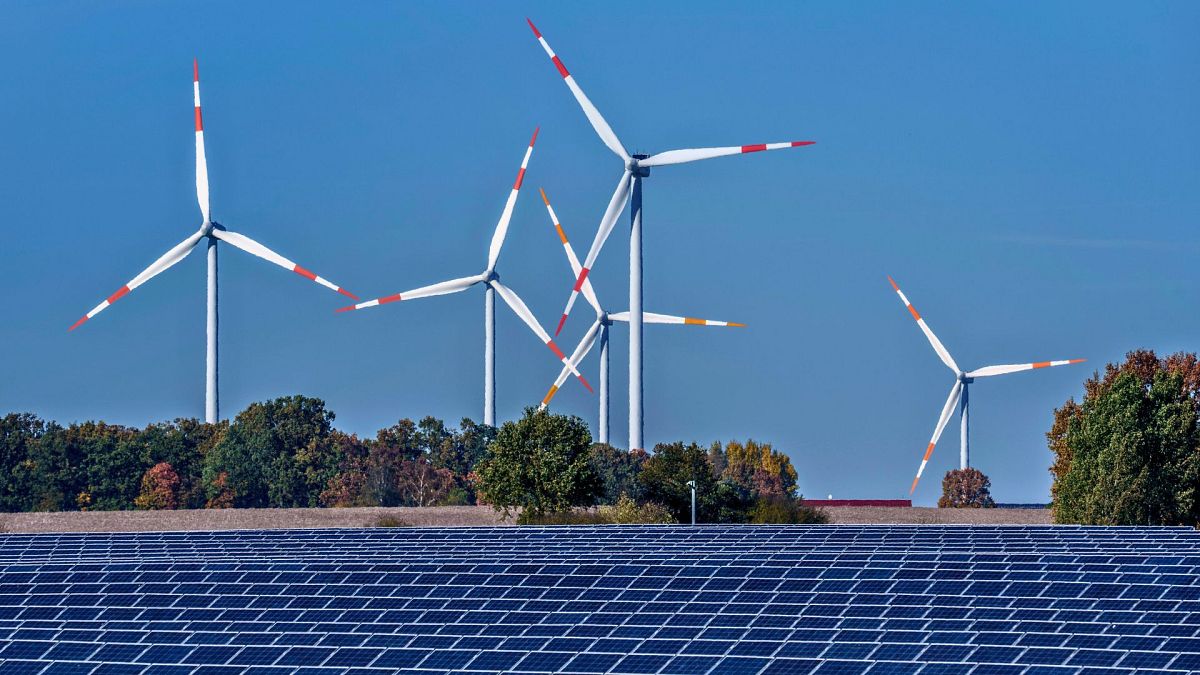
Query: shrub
779,510
628,512
966,489
391,521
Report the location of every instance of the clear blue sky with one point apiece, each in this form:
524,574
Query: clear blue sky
1027,172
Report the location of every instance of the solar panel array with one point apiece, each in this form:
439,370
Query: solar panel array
834,600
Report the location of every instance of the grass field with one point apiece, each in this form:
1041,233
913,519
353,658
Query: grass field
231,519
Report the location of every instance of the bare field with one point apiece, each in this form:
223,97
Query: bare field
443,516
925,515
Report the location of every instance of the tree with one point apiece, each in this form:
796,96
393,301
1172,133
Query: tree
258,455
19,437
422,484
757,467
539,464
183,444
113,461
966,488
618,470
160,488
665,476
1129,453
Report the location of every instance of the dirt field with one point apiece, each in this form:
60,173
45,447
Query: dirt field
233,519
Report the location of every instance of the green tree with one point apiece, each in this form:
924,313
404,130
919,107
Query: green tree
966,489
19,437
259,454
540,465
665,476
1130,452
114,459
618,470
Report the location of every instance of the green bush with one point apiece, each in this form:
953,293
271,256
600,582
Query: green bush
778,510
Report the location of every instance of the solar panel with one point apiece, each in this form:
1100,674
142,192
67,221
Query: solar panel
847,600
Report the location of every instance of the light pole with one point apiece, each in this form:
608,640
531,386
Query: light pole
692,485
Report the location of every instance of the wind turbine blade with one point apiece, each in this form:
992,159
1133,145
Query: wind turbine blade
615,206
201,160
942,353
581,350
518,307
988,371
588,292
254,248
440,288
692,155
602,129
947,411
506,216
650,317
166,260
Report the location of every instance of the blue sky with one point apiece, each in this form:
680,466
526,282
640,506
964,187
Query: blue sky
1027,172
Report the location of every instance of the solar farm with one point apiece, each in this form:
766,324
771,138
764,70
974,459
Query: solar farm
631,599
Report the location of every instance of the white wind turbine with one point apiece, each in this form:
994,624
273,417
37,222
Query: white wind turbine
958,392
599,329
491,280
212,231
637,167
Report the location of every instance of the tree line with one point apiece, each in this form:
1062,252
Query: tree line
286,452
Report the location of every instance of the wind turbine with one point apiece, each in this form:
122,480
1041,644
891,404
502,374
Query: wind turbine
637,167
958,392
599,329
212,231
491,280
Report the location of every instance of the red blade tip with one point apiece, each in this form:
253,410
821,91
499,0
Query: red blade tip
345,309
585,384
348,294
797,144
77,323
893,283
536,32
560,325
535,133
195,70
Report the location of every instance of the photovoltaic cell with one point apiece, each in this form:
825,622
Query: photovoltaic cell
842,600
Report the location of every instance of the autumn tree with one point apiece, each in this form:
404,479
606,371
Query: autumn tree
160,488
758,467
423,484
966,488
1129,453
539,464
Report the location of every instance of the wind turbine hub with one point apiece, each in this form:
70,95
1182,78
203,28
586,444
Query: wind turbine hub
636,168
492,275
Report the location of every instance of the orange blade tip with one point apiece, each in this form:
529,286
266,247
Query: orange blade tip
893,283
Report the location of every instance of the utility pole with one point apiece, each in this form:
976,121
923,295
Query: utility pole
692,485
